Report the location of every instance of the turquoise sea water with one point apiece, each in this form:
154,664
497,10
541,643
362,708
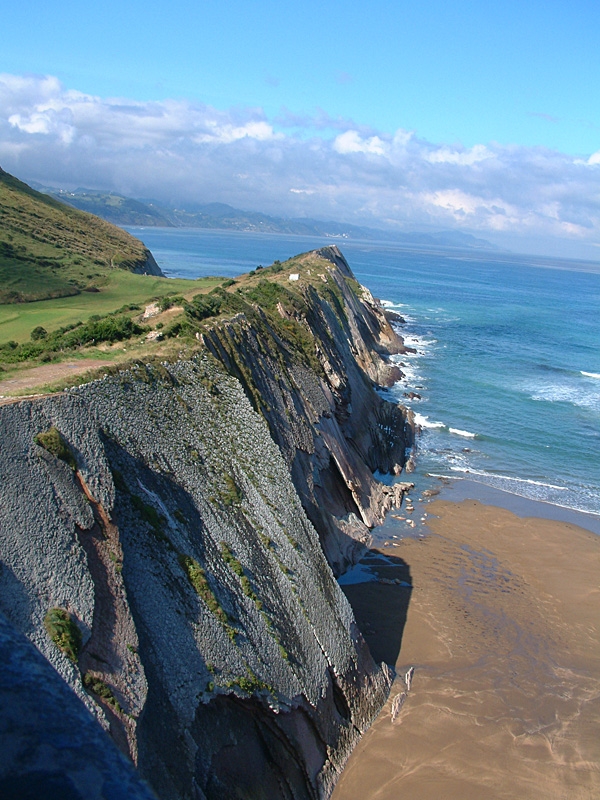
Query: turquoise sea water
507,358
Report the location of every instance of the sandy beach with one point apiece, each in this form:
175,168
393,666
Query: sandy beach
499,615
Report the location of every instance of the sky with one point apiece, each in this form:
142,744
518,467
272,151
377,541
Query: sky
475,116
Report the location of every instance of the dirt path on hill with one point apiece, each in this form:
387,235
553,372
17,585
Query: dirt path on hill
48,373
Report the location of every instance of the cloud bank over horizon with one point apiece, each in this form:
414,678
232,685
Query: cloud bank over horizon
181,152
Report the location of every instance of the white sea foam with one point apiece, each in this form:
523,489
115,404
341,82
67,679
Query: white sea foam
411,375
583,499
418,342
391,304
591,374
466,434
501,478
566,394
425,422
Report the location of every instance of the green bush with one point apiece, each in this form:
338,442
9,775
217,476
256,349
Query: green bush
165,303
249,683
53,442
204,306
100,689
197,577
112,328
237,569
232,494
64,632
38,333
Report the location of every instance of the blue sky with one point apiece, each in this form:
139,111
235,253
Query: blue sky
473,115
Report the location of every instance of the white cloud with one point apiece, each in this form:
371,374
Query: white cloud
182,152
352,142
444,155
594,158
230,133
402,138
498,214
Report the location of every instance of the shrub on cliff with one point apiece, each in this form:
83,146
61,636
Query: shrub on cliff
111,328
52,441
97,686
197,577
64,632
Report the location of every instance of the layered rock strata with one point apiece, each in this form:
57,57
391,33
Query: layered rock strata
185,541
333,429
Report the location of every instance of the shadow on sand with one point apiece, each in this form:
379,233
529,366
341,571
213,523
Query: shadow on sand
380,605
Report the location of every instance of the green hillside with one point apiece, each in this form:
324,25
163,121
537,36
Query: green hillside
114,208
49,250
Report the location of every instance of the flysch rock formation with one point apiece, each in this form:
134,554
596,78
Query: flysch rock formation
333,429
190,528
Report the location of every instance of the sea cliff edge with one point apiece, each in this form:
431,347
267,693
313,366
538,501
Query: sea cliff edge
174,556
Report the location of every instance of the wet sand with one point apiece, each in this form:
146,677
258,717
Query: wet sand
502,627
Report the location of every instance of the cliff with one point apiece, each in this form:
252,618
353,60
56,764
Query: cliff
332,428
166,533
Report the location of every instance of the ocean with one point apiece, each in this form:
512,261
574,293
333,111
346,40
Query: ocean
507,361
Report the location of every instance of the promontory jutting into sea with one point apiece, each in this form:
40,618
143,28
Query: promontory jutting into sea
270,528
505,377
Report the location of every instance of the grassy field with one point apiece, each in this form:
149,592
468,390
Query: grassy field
17,320
94,331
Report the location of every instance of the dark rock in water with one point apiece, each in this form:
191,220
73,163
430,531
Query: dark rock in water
412,395
393,316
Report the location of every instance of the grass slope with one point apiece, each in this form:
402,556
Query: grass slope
17,320
48,249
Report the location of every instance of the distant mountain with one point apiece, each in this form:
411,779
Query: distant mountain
48,249
220,216
112,207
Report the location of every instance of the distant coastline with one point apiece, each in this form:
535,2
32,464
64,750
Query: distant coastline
126,211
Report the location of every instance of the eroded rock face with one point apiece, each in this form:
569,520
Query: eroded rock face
188,537
149,266
50,745
333,429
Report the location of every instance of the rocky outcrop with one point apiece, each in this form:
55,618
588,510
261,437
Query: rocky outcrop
177,536
148,266
333,429
52,748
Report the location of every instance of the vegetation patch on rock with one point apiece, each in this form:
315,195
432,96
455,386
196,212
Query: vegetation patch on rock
197,577
52,441
64,632
97,686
